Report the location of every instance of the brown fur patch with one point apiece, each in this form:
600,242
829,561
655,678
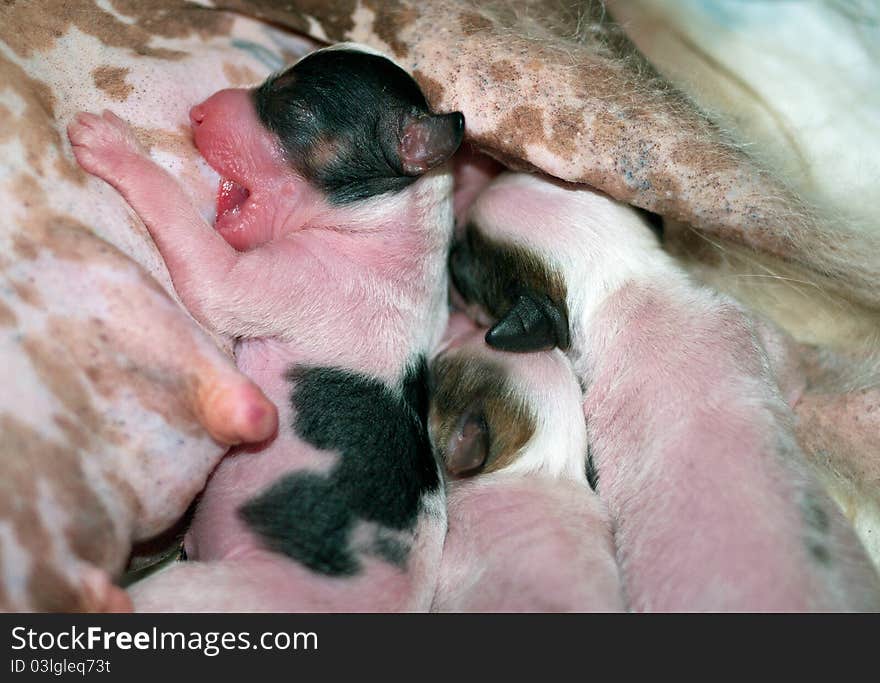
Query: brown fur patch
240,76
102,356
74,433
52,592
334,16
464,385
659,144
5,123
111,79
82,440
70,240
29,27
473,22
567,127
178,142
534,65
432,88
36,128
7,316
5,600
392,17
503,71
95,356
130,499
24,248
29,457
492,273
62,380
522,125
62,235
94,347
27,292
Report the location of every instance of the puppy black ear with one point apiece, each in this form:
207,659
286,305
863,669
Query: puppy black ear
535,323
428,141
468,446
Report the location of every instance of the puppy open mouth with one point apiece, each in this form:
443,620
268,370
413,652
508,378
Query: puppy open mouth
230,198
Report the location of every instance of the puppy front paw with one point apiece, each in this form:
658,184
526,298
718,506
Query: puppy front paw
103,144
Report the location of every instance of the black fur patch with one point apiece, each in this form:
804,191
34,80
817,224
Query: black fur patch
655,222
339,115
591,471
385,468
494,274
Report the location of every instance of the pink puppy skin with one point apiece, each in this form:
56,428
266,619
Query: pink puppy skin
326,263
527,544
691,440
526,532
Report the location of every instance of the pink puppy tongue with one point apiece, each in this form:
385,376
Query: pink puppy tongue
230,196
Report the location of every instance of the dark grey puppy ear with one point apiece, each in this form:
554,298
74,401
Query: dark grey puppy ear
535,323
428,141
468,446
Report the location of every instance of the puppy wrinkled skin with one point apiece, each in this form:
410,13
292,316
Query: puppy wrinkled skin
714,505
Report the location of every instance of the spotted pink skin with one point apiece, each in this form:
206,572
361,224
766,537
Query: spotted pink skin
217,532
231,571
698,463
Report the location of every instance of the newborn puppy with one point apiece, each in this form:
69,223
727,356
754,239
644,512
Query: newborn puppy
327,263
691,441
526,533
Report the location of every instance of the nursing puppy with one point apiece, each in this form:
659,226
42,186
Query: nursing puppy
691,441
526,533
327,263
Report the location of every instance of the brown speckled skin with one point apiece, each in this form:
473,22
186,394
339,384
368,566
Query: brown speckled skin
115,406
101,368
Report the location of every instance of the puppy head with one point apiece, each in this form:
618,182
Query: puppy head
537,256
341,125
354,123
491,410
